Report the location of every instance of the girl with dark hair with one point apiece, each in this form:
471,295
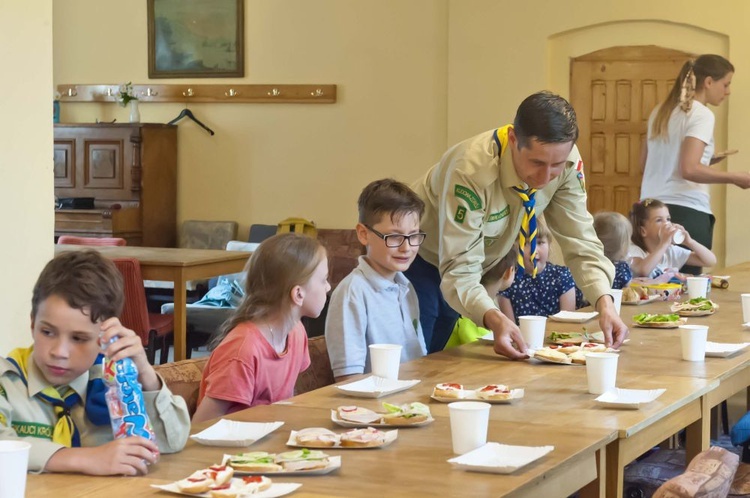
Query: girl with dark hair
680,148
259,352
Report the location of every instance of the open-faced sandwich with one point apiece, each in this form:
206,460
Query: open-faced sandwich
317,437
448,390
699,306
363,438
255,461
566,337
241,487
634,293
494,392
203,481
565,347
358,415
666,321
551,355
304,459
408,414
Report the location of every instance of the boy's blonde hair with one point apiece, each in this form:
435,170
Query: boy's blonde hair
615,231
278,265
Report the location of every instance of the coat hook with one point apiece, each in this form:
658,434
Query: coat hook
232,93
72,92
317,93
188,93
149,93
275,92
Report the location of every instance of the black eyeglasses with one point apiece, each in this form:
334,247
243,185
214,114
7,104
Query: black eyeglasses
397,240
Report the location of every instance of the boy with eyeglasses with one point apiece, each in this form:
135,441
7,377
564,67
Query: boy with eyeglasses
376,303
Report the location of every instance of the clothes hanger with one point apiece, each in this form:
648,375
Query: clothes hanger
187,113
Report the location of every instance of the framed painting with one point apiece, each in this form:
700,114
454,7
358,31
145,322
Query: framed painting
195,38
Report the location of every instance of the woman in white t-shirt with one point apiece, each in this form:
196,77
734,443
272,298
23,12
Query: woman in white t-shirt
652,251
680,147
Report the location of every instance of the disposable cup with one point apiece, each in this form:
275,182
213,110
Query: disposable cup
697,287
745,308
385,360
617,296
693,339
532,330
678,237
469,421
14,462
601,371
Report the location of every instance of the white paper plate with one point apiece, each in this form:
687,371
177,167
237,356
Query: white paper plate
489,337
232,433
650,299
390,436
723,349
334,462
629,398
346,423
574,316
499,458
375,387
276,489
471,395
746,325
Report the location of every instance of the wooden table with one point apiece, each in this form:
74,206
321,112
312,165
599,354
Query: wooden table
413,465
178,266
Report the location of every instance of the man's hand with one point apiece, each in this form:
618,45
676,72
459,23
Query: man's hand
615,331
506,332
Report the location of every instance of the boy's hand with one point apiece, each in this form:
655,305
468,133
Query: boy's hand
127,456
128,345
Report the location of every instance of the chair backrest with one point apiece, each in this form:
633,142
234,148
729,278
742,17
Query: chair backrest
320,373
183,378
135,312
91,241
259,233
196,234
343,249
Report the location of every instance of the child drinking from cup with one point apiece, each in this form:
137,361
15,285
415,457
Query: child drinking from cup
261,350
653,250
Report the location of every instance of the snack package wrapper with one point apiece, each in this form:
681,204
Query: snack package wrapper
124,396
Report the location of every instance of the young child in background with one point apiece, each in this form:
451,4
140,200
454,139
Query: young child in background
552,291
614,231
261,350
652,251
497,279
376,303
47,392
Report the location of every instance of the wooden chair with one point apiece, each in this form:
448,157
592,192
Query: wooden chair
320,373
149,326
183,378
91,241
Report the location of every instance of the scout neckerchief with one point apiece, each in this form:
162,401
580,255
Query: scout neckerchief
65,431
528,223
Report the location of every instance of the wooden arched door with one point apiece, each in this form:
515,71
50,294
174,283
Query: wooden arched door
613,92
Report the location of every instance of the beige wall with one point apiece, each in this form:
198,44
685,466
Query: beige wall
414,77
26,198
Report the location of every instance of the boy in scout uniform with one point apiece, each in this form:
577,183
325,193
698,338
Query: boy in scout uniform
483,196
52,397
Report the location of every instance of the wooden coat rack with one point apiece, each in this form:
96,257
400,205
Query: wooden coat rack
225,94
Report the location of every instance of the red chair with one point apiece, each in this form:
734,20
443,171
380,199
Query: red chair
135,316
91,241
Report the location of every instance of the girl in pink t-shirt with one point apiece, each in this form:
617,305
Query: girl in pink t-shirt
259,352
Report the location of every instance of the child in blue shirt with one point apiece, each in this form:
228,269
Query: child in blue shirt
550,292
614,231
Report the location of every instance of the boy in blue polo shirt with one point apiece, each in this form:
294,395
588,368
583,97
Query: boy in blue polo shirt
376,303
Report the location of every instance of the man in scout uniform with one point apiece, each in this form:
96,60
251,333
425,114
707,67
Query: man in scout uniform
484,195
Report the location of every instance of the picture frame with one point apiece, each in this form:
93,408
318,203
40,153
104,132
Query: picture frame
196,38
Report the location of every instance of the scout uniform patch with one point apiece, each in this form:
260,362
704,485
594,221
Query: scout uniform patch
581,177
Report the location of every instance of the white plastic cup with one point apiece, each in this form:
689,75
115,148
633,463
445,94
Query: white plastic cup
469,421
697,287
601,371
385,360
617,296
678,237
693,339
745,308
14,463
532,330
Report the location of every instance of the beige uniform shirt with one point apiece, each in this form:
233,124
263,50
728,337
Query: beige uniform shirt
473,217
33,420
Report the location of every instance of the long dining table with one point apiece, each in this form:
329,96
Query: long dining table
592,443
175,265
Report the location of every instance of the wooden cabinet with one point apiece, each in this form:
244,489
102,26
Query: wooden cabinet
131,172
